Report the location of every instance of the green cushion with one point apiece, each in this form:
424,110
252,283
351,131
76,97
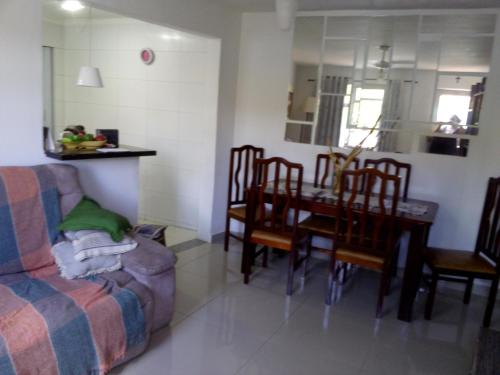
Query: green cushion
89,215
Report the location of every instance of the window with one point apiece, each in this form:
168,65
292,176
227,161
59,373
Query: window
450,106
366,109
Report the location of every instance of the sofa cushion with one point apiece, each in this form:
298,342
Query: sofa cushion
51,325
29,215
70,268
149,258
94,243
68,185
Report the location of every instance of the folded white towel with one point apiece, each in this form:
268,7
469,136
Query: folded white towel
70,268
92,243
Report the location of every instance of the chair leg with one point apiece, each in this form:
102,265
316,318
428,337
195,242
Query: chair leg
332,275
387,290
226,234
468,290
344,273
430,298
394,266
384,281
291,270
265,256
308,254
491,303
248,256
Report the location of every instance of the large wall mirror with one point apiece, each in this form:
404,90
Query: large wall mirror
423,75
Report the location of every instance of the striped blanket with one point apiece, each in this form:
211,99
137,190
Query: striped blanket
50,325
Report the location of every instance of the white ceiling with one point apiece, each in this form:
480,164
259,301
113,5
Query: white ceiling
52,11
268,5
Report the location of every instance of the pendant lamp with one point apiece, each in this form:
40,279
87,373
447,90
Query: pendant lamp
90,76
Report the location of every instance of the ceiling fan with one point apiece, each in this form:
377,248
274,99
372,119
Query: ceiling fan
383,63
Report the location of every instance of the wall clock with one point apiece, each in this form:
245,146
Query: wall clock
147,56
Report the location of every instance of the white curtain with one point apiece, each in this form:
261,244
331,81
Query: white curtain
330,110
391,111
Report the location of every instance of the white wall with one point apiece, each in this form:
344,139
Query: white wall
162,106
207,18
458,184
21,81
21,111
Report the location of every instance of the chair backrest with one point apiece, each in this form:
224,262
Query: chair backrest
278,192
324,175
241,172
488,238
366,221
394,167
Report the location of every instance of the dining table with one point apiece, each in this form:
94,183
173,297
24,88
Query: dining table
414,216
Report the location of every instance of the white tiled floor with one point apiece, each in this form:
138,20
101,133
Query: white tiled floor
175,235
222,326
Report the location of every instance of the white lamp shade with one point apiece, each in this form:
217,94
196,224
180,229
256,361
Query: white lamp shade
285,12
310,104
89,77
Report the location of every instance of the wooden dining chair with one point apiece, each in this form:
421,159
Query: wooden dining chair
241,174
465,266
392,166
279,193
324,174
320,225
365,227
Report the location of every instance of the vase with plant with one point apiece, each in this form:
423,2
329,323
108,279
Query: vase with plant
339,167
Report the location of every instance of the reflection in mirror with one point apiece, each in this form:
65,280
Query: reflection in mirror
423,74
458,102
302,91
298,133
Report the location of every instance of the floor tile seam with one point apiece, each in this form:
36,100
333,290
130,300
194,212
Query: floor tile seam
190,260
258,350
196,243
223,284
201,257
195,259
188,314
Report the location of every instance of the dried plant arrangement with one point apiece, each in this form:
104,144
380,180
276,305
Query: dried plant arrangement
338,167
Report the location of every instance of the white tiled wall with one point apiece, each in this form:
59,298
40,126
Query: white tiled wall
161,106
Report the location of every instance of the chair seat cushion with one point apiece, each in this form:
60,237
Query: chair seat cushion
321,225
452,261
360,258
278,240
240,212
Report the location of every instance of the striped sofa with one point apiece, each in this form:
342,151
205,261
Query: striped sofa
50,325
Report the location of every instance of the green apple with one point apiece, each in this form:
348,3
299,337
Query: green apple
76,138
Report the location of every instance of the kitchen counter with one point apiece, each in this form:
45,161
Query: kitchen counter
128,152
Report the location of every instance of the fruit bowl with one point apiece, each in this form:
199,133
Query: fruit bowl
92,145
85,145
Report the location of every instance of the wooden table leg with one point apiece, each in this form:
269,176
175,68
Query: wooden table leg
413,271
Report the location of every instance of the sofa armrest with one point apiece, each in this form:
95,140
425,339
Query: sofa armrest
149,258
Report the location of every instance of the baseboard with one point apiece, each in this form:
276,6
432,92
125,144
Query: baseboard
219,237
